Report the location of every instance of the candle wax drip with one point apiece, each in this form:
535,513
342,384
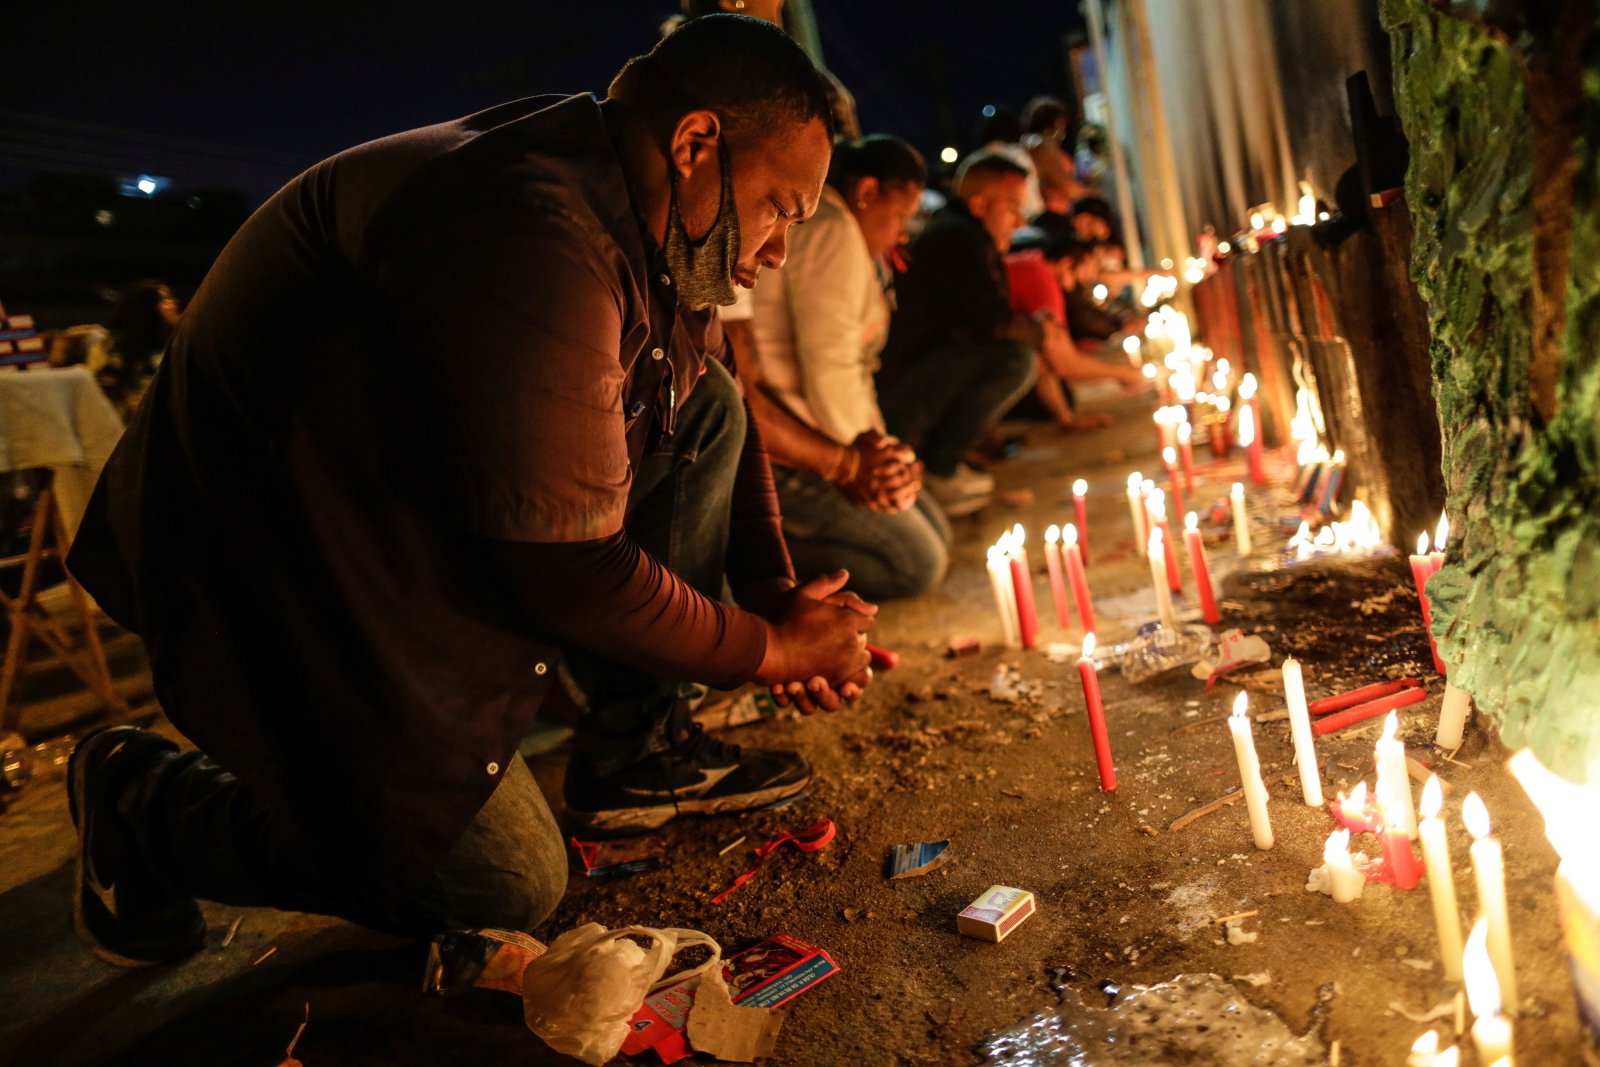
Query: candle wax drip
1381,870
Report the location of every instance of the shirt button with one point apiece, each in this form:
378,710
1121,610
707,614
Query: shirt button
493,768
539,668
665,279
656,353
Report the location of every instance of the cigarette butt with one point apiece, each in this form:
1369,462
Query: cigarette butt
265,955
233,931
731,845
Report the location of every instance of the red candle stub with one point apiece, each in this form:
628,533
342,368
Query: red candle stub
1096,713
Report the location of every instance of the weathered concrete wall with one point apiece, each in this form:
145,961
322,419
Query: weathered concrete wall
1496,128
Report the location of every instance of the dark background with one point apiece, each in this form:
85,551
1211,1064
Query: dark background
228,102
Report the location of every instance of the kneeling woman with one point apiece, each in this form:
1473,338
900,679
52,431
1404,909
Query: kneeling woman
851,495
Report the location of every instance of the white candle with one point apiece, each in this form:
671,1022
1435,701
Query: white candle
1158,579
1344,881
1441,879
1241,521
1489,873
1452,718
1136,508
1451,1057
1492,1030
1005,601
1255,790
1394,784
1305,749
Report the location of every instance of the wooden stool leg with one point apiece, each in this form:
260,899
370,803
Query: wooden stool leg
91,634
16,610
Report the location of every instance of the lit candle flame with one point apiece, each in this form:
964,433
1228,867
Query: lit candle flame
1451,1057
1224,405
1191,521
1237,490
1241,705
1088,646
1338,455
1247,427
1441,533
1357,801
1391,726
1080,487
1279,225
1337,848
1135,480
1567,809
1101,292
1247,387
1257,221
1483,987
1149,370
1422,544
1130,345
1185,432
1476,816
1053,534
1069,534
1169,456
1154,546
1147,486
1432,798
1157,505
1426,1045
1018,534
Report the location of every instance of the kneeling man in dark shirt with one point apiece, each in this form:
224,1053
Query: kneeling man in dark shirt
449,419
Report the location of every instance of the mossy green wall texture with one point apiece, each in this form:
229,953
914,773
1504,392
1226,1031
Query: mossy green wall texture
1517,607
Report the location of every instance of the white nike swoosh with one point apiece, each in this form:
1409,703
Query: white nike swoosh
708,780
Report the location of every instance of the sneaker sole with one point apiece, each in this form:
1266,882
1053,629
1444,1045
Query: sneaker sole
967,506
626,821
79,804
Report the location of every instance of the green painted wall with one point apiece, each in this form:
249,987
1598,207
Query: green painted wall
1517,608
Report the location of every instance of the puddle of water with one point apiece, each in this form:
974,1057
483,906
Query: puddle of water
1193,1019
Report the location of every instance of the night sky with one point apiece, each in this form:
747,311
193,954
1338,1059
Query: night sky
211,95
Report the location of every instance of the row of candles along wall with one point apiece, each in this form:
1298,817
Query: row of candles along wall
1066,555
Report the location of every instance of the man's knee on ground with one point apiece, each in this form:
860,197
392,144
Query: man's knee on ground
1018,364
518,898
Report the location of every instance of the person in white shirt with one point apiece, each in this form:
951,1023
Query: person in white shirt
851,495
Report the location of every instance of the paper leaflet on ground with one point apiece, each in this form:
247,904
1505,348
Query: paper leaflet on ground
722,1029
765,975
1236,650
605,859
908,861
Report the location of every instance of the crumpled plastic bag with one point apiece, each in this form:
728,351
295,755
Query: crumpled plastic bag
580,995
1235,651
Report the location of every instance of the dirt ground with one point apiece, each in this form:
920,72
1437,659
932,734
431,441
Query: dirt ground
928,754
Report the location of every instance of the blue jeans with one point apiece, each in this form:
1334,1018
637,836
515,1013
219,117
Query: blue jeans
945,400
679,508
888,556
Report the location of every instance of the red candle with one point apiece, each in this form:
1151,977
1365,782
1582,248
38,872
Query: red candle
1022,584
1201,572
1080,581
1169,553
1080,490
1186,453
1362,712
1169,459
1052,563
1422,568
1097,716
1324,705
1400,864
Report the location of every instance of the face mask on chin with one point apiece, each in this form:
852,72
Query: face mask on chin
703,269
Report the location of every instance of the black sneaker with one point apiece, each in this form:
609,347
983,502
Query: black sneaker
120,909
697,776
